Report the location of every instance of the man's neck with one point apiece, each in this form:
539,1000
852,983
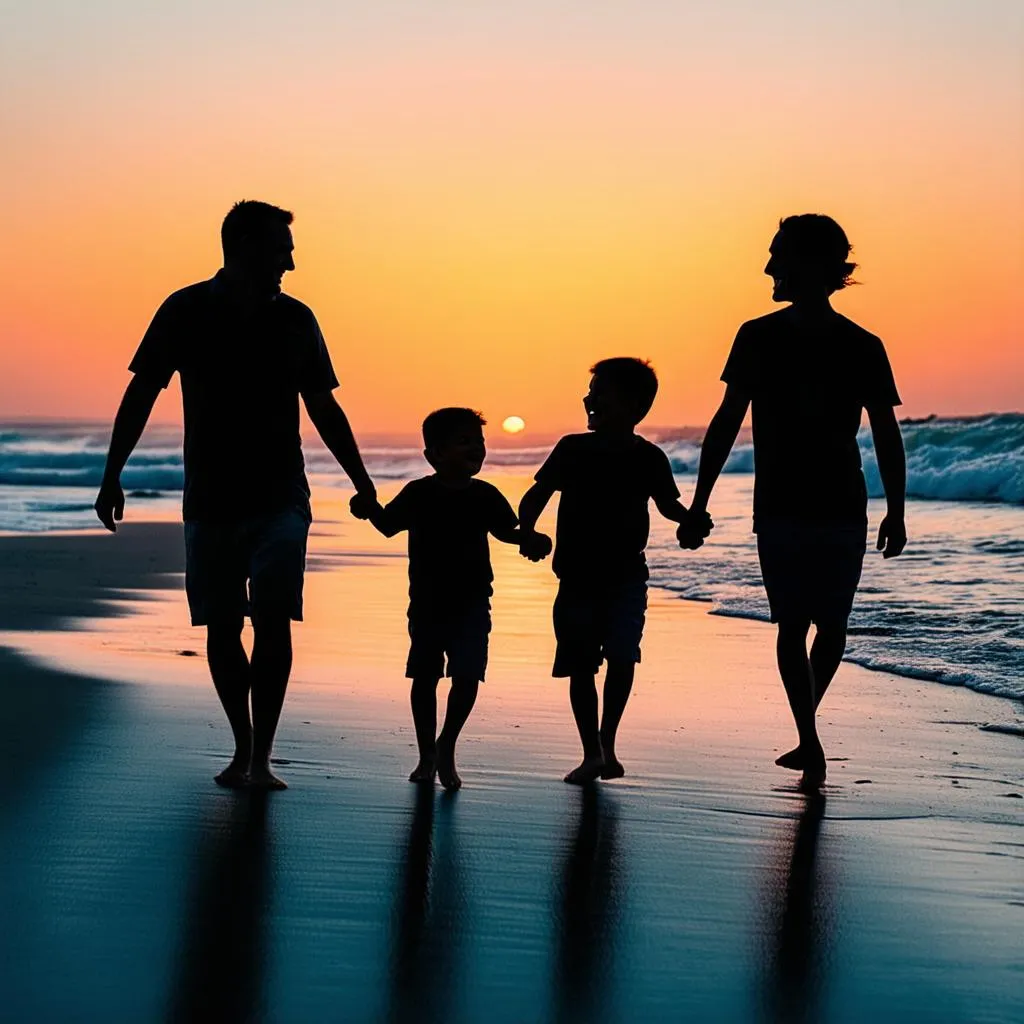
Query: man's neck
811,309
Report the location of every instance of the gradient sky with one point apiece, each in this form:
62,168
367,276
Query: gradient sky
490,196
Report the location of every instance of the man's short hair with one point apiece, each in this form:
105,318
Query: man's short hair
443,424
818,241
247,218
634,379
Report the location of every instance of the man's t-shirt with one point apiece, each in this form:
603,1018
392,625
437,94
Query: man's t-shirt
808,386
603,521
242,370
449,557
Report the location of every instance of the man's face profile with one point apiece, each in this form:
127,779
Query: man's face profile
266,257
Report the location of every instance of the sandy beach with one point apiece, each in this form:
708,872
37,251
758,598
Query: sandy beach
703,886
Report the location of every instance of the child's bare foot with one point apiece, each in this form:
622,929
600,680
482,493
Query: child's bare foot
235,776
446,771
423,772
612,768
263,778
587,771
792,759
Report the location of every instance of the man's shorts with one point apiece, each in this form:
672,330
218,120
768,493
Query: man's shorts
595,622
810,572
449,641
249,567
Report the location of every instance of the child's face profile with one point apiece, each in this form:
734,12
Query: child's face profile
460,455
606,408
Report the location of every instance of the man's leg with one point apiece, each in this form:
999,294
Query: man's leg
797,678
269,669
461,699
423,698
229,668
583,697
617,686
827,652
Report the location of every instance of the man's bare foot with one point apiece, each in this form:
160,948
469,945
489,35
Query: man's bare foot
235,776
264,778
446,772
612,768
792,759
814,769
587,771
423,772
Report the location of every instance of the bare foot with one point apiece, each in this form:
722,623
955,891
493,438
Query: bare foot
235,776
264,778
792,759
612,768
423,772
589,770
814,770
446,772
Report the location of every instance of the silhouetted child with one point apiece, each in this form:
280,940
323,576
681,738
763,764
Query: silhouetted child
449,515
606,478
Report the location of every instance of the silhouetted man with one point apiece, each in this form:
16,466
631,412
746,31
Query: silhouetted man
245,352
808,372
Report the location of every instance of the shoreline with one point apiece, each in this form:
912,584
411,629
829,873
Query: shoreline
701,883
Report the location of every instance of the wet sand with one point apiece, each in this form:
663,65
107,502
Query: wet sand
703,886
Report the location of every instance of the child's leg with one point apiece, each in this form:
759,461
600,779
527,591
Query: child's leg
617,686
423,698
583,697
461,699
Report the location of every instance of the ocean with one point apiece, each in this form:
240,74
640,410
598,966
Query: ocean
950,610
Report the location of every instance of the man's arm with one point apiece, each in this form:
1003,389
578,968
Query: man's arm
332,425
718,442
132,415
892,467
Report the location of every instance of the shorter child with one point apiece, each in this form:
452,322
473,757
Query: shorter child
449,515
606,478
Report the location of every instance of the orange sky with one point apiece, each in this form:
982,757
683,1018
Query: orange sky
488,200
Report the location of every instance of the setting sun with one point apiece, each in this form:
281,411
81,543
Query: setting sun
513,424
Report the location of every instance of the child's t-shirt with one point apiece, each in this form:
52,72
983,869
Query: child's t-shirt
449,557
603,522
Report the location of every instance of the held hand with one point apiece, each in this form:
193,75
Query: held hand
693,530
109,504
363,504
535,546
892,536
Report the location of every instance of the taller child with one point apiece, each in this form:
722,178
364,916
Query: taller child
808,373
606,478
245,353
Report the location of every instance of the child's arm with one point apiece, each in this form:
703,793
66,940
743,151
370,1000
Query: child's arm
389,519
693,526
534,545
505,527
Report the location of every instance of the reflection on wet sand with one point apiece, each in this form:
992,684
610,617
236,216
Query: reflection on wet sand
587,912
797,938
428,920
221,973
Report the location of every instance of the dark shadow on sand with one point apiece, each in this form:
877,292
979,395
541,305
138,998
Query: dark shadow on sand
221,971
798,930
428,920
587,913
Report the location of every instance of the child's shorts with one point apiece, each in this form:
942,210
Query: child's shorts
596,622
449,641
